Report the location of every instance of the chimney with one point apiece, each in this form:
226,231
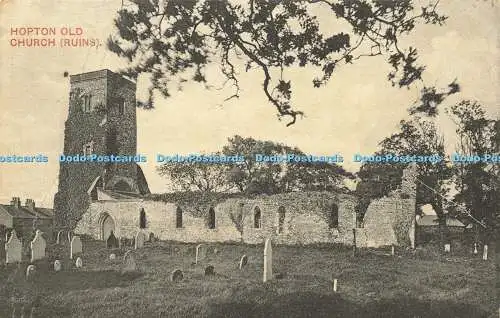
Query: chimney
16,202
30,205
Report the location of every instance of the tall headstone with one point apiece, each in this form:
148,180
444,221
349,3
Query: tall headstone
38,246
76,247
268,261
129,262
140,237
485,252
69,236
201,253
13,249
2,251
243,261
59,236
411,233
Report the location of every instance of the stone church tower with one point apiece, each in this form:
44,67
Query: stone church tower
102,122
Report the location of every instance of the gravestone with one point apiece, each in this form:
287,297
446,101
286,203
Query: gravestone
243,261
13,249
112,241
152,238
485,252
58,239
129,262
112,256
447,248
79,262
475,248
70,236
268,261
201,253
140,237
38,246
2,251
30,272
76,247
216,251
57,265
209,270
177,275
411,233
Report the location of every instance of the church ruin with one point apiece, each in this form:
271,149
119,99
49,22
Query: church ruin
101,198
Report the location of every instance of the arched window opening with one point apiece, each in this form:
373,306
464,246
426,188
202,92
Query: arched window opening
281,219
142,219
334,217
178,218
257,220
211,218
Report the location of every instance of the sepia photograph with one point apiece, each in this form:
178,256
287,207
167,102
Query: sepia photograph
249,158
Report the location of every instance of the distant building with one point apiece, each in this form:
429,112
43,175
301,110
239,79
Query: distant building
25,218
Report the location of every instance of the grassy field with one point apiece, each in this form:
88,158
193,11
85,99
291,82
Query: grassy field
422,283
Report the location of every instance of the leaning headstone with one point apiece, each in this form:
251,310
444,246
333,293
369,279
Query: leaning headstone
139,240
76,246
201,253
268,261
30,272
243,261
79,262
38,246
209,270
177,275
58,239
13,249
485,252
112,241
129,262
57,265
447,248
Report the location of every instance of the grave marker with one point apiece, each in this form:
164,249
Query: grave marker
129,262
268,261
139,240
209,270
76,246
243,261
38,246
177,275
57,265
13,249
30,272
79,262
447,248
485,252
201,253
58,239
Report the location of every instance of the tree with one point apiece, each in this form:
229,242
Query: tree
175,39
477,180
197,176
253,176
417,137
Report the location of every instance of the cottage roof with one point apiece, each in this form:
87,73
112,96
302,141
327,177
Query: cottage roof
24,213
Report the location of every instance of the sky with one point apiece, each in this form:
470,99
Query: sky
351,114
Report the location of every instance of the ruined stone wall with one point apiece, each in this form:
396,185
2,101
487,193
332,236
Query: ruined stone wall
388,220
306,218
161,220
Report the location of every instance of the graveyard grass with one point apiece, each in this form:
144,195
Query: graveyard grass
423,283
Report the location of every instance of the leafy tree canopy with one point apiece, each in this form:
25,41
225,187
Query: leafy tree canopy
177,39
